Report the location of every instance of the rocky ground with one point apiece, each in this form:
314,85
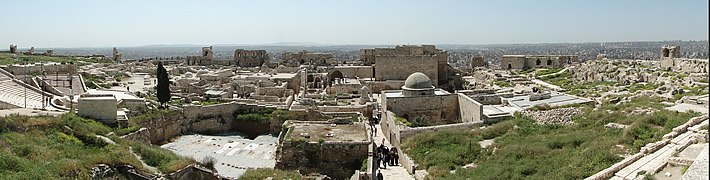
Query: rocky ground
561,116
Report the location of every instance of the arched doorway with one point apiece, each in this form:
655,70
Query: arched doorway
549,62
666,52
510,66
335,76
537,62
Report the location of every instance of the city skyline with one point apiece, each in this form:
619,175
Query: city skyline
134,23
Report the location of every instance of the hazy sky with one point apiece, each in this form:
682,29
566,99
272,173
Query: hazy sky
104,23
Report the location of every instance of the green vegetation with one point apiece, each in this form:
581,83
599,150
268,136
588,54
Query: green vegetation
642,86
501,83
547,71
126,130
526,150
257,116
163,159
6,59
151,115
65,147
207,103
263,173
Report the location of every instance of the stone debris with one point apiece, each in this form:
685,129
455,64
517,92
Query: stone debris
101,171
639,111
615,126
561,116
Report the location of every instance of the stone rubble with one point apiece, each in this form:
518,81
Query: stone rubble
561,116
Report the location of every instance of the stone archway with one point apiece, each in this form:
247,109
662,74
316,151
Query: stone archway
666,52
510,66
335,76
549,62
316,82
537,62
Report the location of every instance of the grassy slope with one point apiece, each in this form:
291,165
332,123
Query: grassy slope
43,148
524,149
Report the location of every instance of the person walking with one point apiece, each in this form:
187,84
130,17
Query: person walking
379,175
395,156
385,153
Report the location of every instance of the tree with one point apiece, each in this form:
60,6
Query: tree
163,86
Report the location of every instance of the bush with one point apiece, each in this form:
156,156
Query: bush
208,162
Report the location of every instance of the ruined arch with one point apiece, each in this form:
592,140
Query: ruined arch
316,82
666,52
335,76
549,62
537,62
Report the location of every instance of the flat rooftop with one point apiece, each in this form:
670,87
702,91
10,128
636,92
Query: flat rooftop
398,93
339,132
233,153
556,99
499,110
264,75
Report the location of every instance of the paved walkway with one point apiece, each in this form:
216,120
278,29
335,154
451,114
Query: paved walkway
29,112
392,172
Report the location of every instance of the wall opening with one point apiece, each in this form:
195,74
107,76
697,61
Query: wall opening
666,52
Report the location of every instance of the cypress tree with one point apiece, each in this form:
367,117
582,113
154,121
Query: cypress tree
163,86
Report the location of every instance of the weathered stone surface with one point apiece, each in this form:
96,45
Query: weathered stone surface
561,116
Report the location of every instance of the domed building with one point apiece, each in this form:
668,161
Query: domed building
417,84
420,104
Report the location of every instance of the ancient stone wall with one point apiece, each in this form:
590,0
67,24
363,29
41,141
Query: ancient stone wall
436,110
379,86
471,111
37,69
335,159
250,58
399,67
536,61
352,71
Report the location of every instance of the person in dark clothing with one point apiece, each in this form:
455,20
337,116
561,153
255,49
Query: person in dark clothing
386,154
392,157
379,175
395,156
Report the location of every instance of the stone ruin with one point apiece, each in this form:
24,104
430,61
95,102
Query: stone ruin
13,48
116,55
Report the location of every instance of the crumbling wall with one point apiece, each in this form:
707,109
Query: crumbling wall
336,159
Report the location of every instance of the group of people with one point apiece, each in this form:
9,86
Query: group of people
387,156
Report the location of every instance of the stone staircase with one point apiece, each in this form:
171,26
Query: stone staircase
13,93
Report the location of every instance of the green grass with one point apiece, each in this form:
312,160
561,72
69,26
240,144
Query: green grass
263,173
65,147
258,116
6,59
525,150
501,83
547,71
151,115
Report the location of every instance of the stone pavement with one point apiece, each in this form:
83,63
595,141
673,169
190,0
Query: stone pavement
392,172
29,112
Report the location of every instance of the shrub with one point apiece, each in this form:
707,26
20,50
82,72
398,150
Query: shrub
208,162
